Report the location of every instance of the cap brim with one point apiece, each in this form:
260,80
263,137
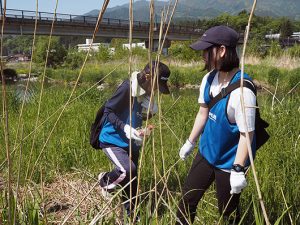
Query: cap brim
163,88
201,45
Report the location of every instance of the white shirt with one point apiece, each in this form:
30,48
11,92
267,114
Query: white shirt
234,110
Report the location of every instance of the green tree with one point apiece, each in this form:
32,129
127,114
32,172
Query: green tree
17,44
286,28
103,54
181,50
74,59
57,51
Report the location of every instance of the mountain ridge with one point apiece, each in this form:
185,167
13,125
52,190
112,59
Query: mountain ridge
204,9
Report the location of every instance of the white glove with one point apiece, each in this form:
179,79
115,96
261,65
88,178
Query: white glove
237,182
186,149
132,133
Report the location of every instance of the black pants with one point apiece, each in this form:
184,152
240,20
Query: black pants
200,177
120,175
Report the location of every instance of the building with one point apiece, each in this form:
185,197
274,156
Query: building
95,46
135,45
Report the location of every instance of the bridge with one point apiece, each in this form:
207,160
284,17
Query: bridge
22,22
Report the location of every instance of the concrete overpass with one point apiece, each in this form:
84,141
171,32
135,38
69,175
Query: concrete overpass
21,22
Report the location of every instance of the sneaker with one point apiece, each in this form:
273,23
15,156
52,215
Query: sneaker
104,191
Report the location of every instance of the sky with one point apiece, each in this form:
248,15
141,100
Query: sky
76,7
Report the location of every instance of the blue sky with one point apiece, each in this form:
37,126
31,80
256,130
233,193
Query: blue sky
64,6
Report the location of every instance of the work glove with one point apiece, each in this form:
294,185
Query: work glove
133,134
237,182
186,149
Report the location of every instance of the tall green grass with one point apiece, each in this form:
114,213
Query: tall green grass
277,163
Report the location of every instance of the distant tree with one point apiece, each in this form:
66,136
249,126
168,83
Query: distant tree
74,59
181,50
286,28
17,44
103,54
57,51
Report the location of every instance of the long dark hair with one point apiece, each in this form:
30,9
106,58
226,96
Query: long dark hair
229,61
226,64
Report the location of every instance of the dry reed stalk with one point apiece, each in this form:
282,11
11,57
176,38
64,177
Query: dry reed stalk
48,118
290,91
5,118
74,209
42,86
152,91
19,170
162,178
99,214
130,100
151,11
285,203
244,118
155,173
172,131
266,89
273,99
159,111
29,76
43,197
76,83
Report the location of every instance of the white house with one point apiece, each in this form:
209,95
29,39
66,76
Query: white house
95,46
135,45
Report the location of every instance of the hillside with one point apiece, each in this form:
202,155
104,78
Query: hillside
205,9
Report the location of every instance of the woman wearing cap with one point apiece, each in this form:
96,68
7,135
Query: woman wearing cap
222,155
116,131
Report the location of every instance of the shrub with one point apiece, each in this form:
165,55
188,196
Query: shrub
294,78
294,51
103,54
274,74
182,51
255,48
10,75
275,49
57,51
74,59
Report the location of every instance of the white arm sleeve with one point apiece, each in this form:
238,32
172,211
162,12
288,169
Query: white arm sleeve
234,110
201,90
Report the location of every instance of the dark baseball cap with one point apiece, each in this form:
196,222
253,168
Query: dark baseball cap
218,35
163,75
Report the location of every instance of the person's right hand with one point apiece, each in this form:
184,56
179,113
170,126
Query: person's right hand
132,133
186,149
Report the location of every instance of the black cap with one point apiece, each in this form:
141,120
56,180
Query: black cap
218,35
163,75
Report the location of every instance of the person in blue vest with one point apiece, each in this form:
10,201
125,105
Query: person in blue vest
116,132
223,155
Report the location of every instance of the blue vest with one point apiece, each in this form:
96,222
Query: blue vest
110,135
219,141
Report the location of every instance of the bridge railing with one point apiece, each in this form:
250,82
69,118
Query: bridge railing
25,15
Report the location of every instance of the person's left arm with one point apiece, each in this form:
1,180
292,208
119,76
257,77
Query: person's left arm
237,176
242,152
250,104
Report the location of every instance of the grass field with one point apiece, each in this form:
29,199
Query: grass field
62,167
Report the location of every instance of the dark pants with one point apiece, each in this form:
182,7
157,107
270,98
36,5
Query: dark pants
200,177
120,175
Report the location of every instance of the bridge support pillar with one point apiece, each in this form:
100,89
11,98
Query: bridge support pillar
167,44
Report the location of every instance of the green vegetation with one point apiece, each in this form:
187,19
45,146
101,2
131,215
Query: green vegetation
43,155
68,148
56,55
